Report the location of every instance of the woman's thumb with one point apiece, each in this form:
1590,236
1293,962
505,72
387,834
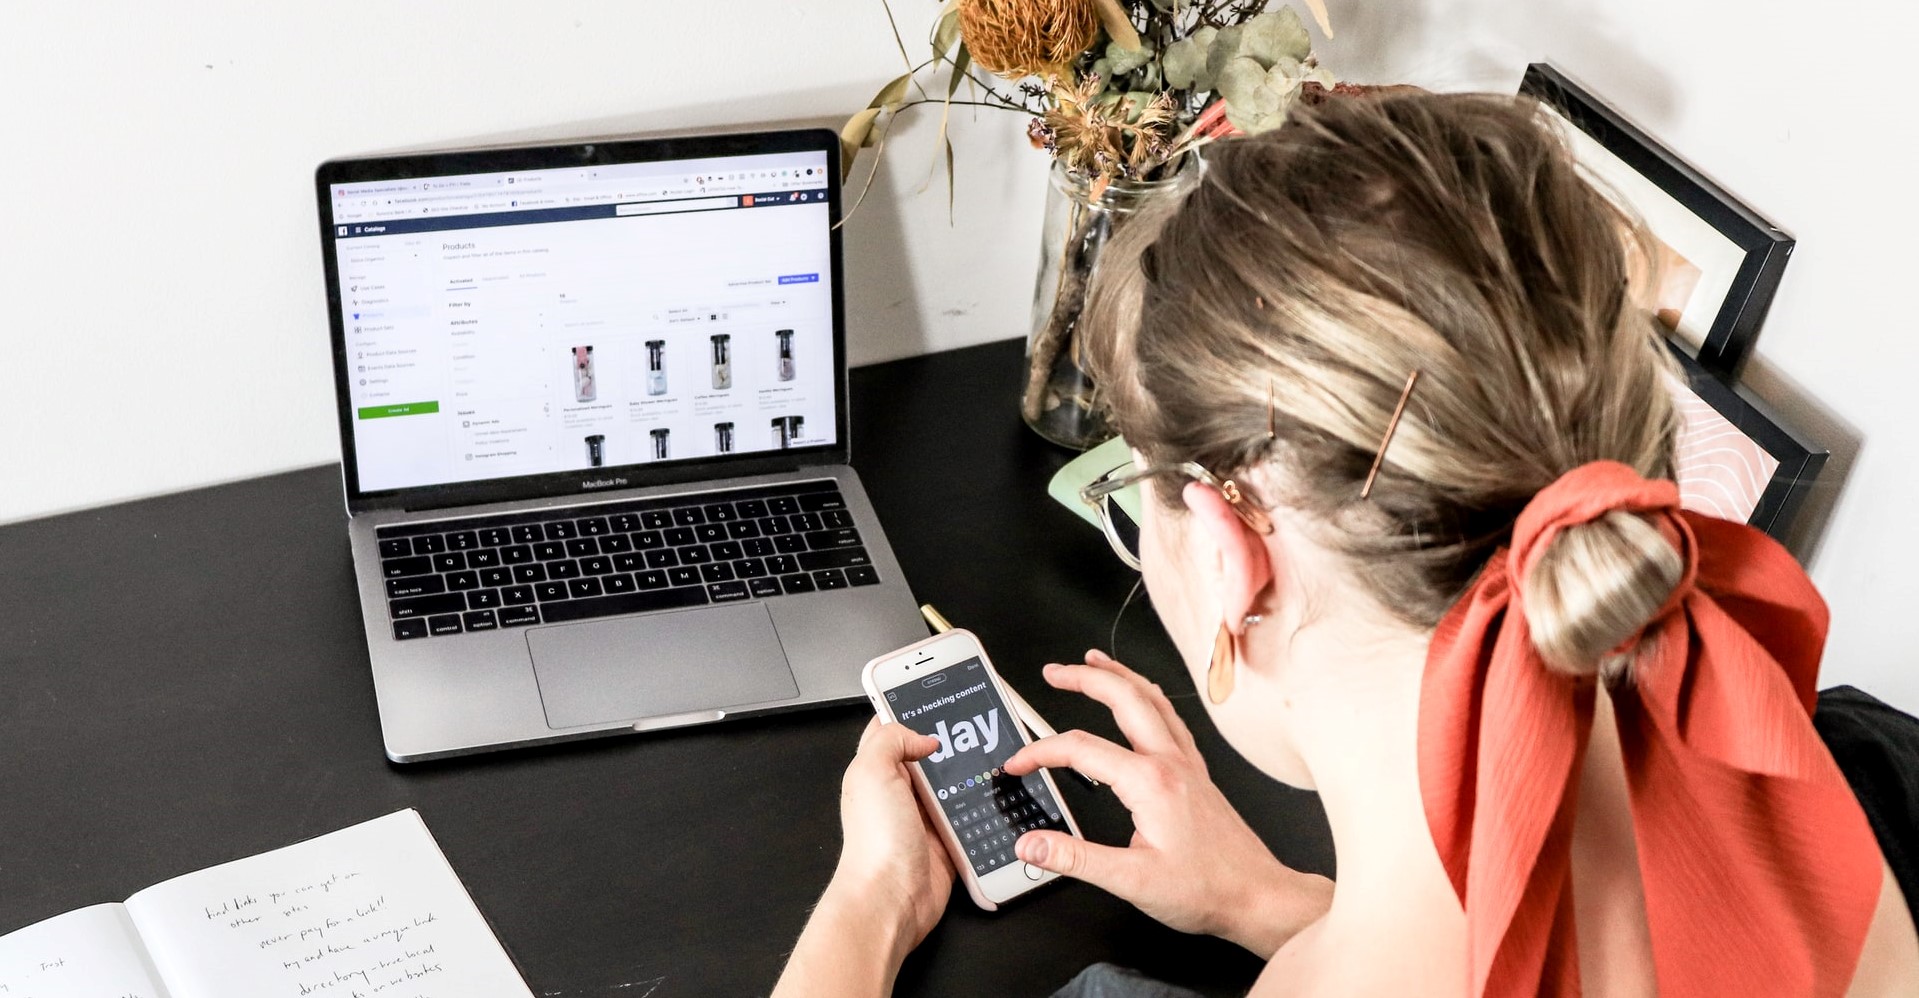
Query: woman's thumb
1063,854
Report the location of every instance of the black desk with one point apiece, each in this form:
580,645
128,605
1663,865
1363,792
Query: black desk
183,682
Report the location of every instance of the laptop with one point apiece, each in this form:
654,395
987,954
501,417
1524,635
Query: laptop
593,429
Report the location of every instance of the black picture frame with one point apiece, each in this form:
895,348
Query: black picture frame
1726,339
1799,460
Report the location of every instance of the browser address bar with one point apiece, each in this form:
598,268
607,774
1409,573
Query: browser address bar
662,207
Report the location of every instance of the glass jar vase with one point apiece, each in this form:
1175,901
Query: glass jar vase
1060,402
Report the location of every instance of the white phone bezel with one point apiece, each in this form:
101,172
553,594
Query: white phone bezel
897,668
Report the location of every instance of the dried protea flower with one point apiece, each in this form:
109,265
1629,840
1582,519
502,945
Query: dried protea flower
1020,38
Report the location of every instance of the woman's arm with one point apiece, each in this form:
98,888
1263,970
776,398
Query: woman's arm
891,885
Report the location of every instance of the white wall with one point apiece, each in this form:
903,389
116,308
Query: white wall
163,324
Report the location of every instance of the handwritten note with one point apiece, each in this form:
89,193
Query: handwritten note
89,953
372,910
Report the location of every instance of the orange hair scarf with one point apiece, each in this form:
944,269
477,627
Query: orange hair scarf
1761,872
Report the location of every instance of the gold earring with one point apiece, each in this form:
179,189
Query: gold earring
1221,672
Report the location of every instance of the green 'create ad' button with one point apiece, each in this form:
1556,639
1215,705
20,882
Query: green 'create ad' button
403,409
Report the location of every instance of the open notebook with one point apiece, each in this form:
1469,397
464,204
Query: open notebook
369,910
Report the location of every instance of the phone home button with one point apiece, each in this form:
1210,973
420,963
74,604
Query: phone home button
1032,872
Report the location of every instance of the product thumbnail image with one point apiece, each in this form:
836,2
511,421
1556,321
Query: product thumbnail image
656,367
596,450
583,389
722,360
659,443
786,430
786,354
723,438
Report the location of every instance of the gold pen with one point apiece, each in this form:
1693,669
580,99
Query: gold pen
1035,724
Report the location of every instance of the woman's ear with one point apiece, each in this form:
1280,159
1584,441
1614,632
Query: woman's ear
1243,566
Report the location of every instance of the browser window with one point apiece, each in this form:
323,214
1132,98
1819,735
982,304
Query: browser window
508,324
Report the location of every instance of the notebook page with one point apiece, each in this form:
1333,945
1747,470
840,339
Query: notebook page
89,953
371,910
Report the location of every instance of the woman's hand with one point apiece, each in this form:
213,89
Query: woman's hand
892,882
1193,863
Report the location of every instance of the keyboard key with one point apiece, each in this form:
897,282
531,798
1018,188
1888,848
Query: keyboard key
599,564
687,516
493,537
837,518
429,544
561,530
617,584
719,572
626,523
495,577
550,591
789,543
593,526
814,561
721,513
784,564
680,537
710,532
615,543
726,551
412,627
449,624
549,550
529,573
820,540
813,502
662,559
685,575
695,554
628,562
580,547
462,540
603,606
517,554
863,576
450,562
415,585
516,595
806,522
656,519
764,588
742,529
749,568
782,505
399,547
480,620
399,567
751,509
726,592
797,584
758,547
483,558
774,525
482,599
582,588
832,578
459,581
527,533
562,569
646,539
519,616
652,579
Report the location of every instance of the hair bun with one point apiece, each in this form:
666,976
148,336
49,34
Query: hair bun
1595,586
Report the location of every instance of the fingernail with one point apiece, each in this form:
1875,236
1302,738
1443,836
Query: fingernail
1032,849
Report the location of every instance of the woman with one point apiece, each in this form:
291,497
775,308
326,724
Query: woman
1405,427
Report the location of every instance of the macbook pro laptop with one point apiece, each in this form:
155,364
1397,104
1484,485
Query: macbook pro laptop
593,429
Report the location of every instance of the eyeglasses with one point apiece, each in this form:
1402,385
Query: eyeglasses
1121,530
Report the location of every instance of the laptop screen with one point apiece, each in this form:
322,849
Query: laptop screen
525,322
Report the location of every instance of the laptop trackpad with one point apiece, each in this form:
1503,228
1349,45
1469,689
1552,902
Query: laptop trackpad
667,663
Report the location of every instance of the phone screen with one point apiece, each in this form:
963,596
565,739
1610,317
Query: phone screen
988,809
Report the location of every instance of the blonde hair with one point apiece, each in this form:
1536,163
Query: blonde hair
1316,265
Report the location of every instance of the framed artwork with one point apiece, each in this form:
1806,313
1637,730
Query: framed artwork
1735,459
1720,260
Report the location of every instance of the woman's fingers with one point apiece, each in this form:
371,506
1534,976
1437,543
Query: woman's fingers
891,744
1157,696
1116,871
1089,754
1139,720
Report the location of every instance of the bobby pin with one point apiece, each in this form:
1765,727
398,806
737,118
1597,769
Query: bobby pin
1366,491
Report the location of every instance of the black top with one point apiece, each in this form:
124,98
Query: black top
186,683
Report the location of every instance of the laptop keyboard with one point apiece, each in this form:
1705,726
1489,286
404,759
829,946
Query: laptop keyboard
552,566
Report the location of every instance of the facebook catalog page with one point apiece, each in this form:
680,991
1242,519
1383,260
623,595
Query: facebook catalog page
988,808
502,325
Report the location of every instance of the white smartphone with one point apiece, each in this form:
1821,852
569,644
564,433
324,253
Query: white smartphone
945,687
